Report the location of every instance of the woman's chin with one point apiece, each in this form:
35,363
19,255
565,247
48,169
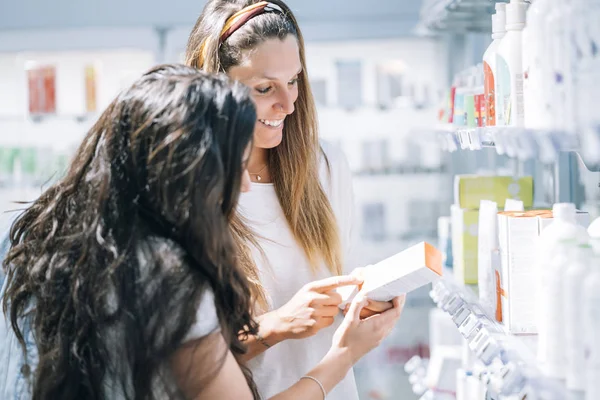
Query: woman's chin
269,141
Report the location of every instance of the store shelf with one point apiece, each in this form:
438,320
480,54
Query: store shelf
509,359
520,143
514,142
457,15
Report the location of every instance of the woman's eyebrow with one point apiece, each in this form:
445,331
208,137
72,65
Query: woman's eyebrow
274,79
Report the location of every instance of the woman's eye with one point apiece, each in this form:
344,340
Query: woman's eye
293,82
264,90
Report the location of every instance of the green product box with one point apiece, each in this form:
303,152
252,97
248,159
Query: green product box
465,231
469,190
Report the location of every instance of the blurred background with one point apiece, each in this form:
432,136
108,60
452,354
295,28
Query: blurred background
380,71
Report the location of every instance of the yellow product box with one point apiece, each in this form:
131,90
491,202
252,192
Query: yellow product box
518,235
465,231
401,273
469,190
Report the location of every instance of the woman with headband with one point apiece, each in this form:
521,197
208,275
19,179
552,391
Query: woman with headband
293,227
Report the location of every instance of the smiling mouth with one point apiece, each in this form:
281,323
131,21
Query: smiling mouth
274,123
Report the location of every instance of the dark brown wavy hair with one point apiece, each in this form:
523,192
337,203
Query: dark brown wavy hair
116,256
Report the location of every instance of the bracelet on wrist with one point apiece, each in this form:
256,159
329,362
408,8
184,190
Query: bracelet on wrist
262,340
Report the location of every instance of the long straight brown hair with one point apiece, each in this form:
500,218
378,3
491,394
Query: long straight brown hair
294,164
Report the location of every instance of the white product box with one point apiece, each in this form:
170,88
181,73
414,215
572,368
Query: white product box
518,235
401,273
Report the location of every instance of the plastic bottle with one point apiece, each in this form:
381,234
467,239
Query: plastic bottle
561,61
535,86
591,317
556,245
489,63
583,55
587,37
509,65
575,275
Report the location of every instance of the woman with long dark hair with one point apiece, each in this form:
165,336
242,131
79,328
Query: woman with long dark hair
122,278
120,255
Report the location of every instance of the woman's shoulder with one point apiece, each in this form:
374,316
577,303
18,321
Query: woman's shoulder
333,167
331,152
165,260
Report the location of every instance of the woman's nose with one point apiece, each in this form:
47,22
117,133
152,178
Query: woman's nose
286,103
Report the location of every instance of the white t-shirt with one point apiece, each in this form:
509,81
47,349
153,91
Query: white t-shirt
286,269
207,321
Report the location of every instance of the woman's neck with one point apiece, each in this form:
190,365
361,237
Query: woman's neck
258,165
258,159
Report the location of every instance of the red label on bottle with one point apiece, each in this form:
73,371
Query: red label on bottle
490,94
451,113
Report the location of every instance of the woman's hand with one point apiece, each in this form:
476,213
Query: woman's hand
356,336
311,309
373,307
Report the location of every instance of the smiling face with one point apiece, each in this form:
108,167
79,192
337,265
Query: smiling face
271,71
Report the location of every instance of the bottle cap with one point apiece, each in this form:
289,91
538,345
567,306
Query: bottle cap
499,19
516,15
564,211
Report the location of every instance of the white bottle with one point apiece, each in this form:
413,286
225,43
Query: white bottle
587,13
591,317
535,87
554,249
562,59
584,56
489,63
509,65
575,276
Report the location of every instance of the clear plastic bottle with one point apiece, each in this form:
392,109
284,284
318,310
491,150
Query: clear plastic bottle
556,246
